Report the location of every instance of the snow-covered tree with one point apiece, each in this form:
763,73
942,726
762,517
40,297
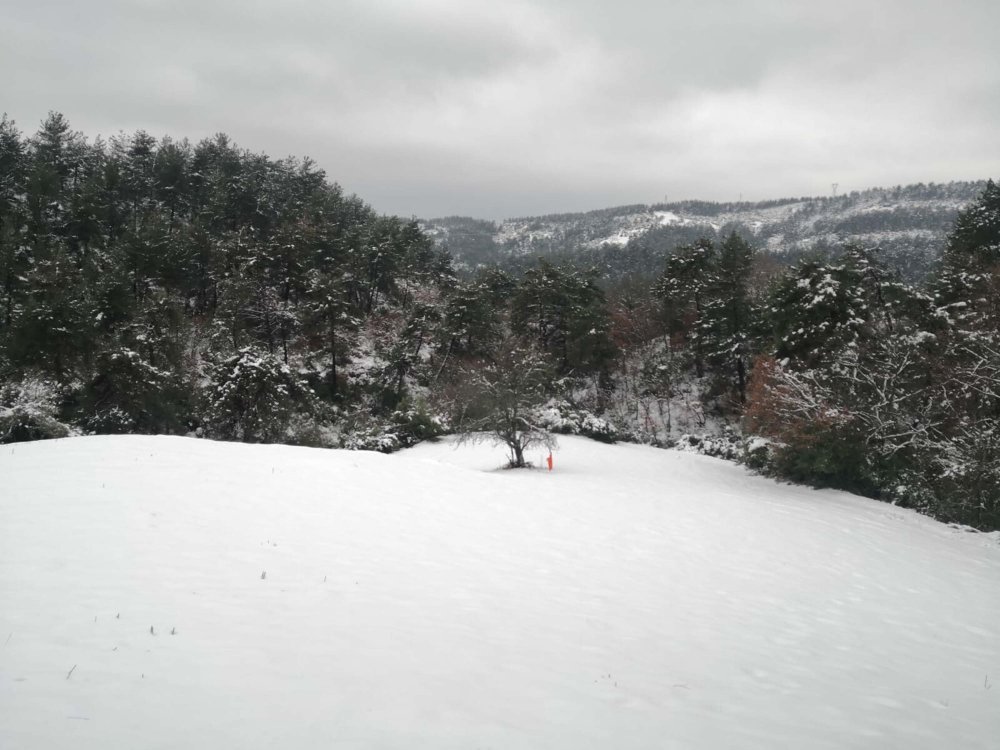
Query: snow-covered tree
474,314
565,313
728,316
128,394
499,400
29,410
682,290
886,390
327,317
968,288
253,398
14,259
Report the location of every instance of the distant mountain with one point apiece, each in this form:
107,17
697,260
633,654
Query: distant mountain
908,223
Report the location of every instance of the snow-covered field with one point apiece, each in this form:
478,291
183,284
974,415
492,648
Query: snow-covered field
176,593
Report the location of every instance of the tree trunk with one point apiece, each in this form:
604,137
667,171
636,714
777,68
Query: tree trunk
518,454
333,361
741,377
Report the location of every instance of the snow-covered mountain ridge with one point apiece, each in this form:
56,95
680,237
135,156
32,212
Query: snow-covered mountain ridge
167,592
909,223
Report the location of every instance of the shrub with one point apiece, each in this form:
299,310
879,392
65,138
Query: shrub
727,445
562,417
414,423
29,410
371,435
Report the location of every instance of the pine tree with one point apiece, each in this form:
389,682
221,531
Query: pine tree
328,319
968,287
404,353
967,480
128,394
253,398
565,313
55,328
728,317
14,260
683,290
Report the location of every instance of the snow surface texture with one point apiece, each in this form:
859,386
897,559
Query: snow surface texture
632,598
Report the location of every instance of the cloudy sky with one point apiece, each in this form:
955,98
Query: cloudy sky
509,108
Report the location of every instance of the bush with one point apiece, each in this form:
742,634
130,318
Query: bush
111,421
310,430
813,440
563,418
414,423
29,410
727,445
757,453
405,428
372,440
826,457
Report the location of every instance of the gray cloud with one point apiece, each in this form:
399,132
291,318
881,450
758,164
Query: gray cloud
437,107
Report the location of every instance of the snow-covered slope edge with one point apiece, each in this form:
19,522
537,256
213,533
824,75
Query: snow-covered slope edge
631,598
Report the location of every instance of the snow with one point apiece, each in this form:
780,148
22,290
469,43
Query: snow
621,239
632,598
666,218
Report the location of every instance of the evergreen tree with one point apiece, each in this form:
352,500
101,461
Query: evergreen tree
328,319
253,398
404,353
128,394
55,328
14,258
683,290
967,480
728,317
819,308
967,288
566,314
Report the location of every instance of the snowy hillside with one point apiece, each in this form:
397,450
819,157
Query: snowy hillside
170,592
909,223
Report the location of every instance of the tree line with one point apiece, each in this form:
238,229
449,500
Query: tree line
161,286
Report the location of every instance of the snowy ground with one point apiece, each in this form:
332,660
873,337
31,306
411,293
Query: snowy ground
633,598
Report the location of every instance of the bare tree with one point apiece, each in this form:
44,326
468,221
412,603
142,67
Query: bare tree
499,400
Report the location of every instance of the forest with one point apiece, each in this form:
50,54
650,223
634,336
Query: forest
157,286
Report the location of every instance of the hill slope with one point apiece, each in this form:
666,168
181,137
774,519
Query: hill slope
909,223
631,598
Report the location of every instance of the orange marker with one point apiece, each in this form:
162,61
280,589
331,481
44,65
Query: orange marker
549,460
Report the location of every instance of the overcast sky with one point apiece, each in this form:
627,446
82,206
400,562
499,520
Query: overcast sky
496,109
